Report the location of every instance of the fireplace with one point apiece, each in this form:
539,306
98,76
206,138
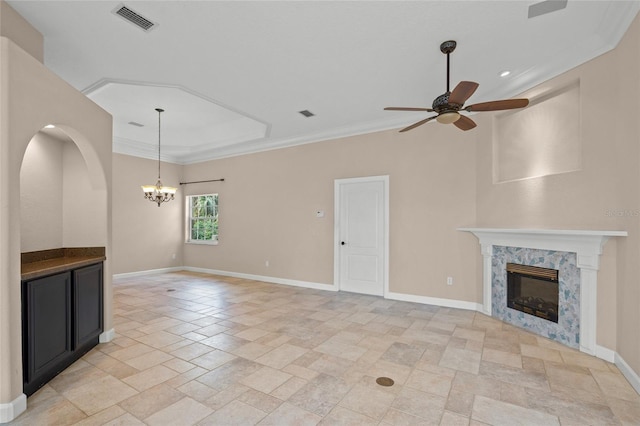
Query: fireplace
574,253
533,290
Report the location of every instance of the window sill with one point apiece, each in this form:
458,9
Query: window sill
202,243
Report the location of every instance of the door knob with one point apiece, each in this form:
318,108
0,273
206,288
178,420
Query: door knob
342,243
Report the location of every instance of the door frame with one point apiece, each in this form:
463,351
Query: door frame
385,223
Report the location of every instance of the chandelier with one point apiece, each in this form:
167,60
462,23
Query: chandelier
157,193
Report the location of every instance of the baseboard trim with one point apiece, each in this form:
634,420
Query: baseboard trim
13,409
626,370
107,336
264,278
445,303
605,354
148,272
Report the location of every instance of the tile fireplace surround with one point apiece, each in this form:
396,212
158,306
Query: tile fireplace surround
566,329
587,245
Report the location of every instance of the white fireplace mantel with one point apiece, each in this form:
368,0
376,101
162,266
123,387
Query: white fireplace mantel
587,244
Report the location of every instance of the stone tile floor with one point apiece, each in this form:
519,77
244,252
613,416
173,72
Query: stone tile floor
208,350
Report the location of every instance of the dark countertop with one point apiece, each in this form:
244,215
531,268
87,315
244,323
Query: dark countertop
38,264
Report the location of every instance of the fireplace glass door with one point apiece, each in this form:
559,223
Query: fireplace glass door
533,290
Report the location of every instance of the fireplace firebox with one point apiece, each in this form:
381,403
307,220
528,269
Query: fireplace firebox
533,290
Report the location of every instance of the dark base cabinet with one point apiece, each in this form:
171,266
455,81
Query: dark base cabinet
87,306
46,328
61,321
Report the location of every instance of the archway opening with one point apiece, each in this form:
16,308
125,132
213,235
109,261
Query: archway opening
61,205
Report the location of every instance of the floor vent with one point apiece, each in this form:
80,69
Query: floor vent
384,381
134,17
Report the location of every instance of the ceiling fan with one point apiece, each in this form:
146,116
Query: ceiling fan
449,105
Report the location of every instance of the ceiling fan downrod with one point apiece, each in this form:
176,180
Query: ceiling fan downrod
447,47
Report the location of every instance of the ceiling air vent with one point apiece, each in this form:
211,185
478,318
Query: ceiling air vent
544,7
134,18
306,113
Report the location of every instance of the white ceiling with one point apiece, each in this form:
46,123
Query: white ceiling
232,76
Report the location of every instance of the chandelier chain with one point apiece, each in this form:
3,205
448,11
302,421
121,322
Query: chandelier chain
160,111
159,193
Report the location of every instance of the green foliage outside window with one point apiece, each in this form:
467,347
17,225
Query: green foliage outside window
203,217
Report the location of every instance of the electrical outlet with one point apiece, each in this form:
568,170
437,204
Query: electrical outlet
449,280
173,256
266,263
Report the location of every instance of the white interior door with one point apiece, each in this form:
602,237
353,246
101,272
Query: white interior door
361,235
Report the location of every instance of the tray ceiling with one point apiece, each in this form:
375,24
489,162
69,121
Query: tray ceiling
233,76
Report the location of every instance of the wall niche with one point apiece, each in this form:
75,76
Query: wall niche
58,205
540,140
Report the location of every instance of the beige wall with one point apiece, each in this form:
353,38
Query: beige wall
608,181
626,131
41,194
32,97
83,202
145,236
15,27
268,203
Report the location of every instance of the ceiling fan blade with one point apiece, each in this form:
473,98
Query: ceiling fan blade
419,123
464,123
499,105
462,92
407,109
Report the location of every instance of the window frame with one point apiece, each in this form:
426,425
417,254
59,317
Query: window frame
189,219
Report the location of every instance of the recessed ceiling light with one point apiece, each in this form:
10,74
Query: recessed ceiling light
505,73
49,126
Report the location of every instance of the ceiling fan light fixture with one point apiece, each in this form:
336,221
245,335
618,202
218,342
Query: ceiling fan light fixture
448,117
449,105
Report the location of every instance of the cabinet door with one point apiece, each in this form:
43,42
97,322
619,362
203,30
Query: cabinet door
87,310
47,314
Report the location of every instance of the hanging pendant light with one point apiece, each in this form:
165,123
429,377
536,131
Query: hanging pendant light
157,193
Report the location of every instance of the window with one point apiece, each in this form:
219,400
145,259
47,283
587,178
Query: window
202,225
